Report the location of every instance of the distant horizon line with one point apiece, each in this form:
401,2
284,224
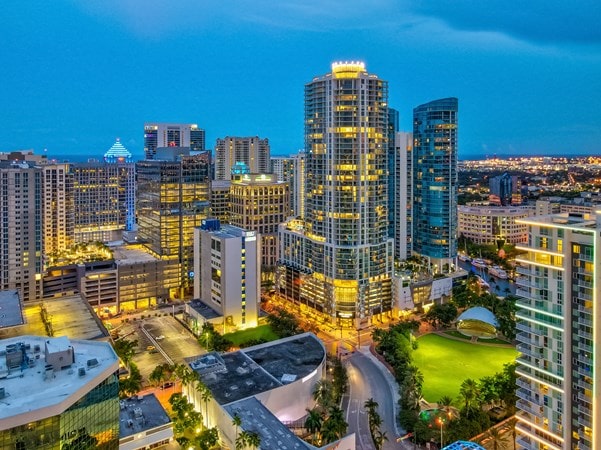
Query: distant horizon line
469,157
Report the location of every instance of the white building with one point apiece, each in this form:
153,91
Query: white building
558,322
486,224
227,268
403,195
172,135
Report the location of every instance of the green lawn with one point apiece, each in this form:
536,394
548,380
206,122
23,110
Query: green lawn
445,363
261,332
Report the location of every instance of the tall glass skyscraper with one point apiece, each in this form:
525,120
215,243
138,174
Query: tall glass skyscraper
435,181
347,254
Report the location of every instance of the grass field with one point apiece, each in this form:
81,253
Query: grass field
261,332
446,363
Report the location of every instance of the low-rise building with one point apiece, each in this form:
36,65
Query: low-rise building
58,393
143,423
486,224
264,385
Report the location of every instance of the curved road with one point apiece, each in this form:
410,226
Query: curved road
366,379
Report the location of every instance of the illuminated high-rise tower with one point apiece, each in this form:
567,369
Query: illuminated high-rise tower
435,181
558,322
344,260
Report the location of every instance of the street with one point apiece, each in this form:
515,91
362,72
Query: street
366,380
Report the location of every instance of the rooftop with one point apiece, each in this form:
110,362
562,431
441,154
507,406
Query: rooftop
11,312
139,414
31,382
65,316
130,254
238,375
274,434
204,310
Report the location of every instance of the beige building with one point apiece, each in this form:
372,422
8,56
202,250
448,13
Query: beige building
485,224
253,151
21,228
259,202
220,200
58,208
227,272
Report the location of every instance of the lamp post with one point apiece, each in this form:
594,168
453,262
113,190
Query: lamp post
440,421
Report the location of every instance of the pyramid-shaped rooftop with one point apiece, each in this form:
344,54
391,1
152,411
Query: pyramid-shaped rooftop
117,153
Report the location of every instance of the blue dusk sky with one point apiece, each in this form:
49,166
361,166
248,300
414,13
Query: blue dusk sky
77,74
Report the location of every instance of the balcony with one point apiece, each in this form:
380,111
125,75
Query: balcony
525,405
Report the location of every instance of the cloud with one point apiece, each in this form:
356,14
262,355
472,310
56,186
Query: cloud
555,22
540,21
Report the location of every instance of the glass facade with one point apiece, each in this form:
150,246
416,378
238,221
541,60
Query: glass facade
348,251
91,423
435,180
173,198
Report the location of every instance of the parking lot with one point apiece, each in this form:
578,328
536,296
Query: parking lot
161,339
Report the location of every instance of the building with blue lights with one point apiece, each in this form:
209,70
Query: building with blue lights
435,182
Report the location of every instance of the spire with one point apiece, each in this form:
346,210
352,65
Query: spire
117,153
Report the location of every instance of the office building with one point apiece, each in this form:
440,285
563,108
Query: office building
252,151
104,199
21,243
558,322
220,200
172,135
228,271
487,224
173,198
403,195
58,393
347,256
435,182
259,202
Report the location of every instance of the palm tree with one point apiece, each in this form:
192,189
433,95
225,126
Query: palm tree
236,422
313,423
511,423
335,424
322,393
412,387
205,395
253,439
469,392
370,404
379,438
495,437
158,376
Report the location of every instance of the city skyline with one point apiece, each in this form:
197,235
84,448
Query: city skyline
82,74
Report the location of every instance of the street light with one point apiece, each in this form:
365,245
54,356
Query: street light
440,421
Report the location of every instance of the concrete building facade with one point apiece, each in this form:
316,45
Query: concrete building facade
558,366
486,224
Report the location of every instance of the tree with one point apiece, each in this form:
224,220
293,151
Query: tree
283,323
441,315
511,423
205,395
334,426
125,350
132,384
246,439
412,388
158,375
313,424
495,437
236,422
339,380
207,439
469,393
322,394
